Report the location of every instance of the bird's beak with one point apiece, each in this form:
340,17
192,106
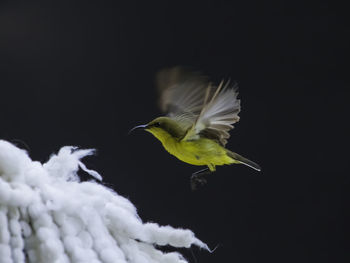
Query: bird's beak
138,128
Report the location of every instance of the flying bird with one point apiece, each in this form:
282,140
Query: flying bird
197,121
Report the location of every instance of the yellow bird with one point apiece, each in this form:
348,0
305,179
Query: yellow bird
199,116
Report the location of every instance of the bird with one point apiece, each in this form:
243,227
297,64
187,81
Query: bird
198,116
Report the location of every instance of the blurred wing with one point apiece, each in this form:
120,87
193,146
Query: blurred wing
182,94
219,112
202,109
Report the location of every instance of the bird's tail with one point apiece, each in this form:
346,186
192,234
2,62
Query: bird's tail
242,160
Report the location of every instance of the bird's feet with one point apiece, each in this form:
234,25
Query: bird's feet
197,178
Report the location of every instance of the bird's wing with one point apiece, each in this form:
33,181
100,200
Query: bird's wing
219,112
199,107
182,94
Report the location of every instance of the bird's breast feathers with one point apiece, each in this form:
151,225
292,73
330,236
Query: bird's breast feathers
197,152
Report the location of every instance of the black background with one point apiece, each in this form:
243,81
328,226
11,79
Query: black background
83,74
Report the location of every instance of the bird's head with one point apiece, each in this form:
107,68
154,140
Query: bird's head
162,128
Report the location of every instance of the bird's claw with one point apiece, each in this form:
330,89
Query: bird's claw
197,179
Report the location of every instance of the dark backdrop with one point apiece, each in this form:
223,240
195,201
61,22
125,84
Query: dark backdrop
83,74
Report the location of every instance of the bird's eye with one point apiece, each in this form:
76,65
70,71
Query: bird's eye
157,124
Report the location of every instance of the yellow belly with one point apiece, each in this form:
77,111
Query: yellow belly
198,152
